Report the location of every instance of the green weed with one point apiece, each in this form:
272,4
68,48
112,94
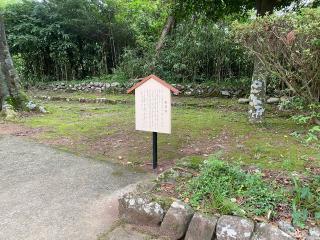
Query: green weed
305,201
227,189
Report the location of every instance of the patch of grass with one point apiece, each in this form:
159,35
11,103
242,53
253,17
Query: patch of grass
226,189
77,121
306,201
106,132
271,146
192,162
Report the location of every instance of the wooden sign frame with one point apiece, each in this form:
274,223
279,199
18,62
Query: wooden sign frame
153,108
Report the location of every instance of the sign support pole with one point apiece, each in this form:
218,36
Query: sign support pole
155,150
153,109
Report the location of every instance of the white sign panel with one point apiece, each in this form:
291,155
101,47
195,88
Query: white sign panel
153,107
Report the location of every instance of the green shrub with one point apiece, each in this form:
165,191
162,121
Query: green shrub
310,117
305,201
64,40
18,102
134,64
202,51
197,51
227,189
288,45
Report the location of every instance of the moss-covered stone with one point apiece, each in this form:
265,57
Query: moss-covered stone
18,102
165,202
8,112
140,209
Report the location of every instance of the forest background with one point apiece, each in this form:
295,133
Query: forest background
181,41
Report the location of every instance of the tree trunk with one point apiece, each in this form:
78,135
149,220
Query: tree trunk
259,77
9,81
258,92
265,6
167,28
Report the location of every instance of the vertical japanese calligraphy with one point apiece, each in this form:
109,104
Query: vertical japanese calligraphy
153,107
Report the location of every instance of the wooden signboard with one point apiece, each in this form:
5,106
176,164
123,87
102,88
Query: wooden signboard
153,108
153,105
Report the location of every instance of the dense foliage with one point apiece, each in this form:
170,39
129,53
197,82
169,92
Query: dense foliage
213,9
144,17
202,51
289,47
73,40
227,189
64,40
197,51
4,3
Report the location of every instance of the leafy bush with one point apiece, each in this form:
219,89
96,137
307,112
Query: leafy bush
202,50
197,51
289,47
145,18
309,116
305,201
64,40
133,65
227,189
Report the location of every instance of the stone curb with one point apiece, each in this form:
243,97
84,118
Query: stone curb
83,100
180,222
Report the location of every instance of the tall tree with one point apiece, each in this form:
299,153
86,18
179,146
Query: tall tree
167,28
260,75
218,9
10,94
66,39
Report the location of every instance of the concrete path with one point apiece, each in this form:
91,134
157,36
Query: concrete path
48,194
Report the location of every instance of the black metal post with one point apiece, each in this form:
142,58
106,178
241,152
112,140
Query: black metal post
155,150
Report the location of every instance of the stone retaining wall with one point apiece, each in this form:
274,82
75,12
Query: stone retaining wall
181,222
116,87
82,100
110,101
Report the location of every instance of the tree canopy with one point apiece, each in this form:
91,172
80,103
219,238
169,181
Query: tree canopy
77,39
217,9
66,39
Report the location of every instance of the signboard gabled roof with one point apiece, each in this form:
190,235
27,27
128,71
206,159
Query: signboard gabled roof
164,83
